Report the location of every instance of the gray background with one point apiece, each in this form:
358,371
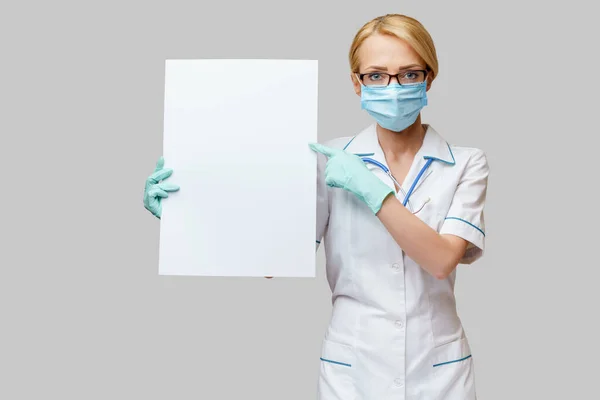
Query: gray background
84,314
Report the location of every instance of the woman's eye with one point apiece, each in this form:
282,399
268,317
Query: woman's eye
375,77
410,75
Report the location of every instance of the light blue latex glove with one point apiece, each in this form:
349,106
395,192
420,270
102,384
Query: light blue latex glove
156,190
348,171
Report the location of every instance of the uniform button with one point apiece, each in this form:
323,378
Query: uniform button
396,266
398,382
399,324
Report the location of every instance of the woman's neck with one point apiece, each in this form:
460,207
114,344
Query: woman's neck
398,145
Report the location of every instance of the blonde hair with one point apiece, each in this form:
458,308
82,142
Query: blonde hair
403,27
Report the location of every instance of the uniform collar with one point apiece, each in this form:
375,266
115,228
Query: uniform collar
434,145
434,150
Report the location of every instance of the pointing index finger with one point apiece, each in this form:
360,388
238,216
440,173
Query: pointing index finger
327,151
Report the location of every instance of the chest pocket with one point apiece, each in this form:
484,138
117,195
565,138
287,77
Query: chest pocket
429,209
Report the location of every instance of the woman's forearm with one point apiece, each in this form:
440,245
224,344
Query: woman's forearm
437,254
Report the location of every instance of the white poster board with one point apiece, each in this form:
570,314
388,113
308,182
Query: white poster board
236,133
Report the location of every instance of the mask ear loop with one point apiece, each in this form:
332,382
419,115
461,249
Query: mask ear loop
359,82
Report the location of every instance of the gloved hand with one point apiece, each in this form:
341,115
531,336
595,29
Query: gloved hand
348,171
156,190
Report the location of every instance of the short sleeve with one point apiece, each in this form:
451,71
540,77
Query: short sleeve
322,199
465,215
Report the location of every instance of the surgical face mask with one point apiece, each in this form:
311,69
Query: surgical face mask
394,107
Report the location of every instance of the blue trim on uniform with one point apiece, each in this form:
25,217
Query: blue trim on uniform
467,222
348,144
364,154
444,161
335,362
414,184
453,361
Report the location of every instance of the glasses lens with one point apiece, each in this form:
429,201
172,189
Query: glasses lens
411,77
376,79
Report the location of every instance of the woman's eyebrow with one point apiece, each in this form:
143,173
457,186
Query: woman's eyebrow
380,68
410,66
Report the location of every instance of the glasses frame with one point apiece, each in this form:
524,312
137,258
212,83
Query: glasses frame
425,71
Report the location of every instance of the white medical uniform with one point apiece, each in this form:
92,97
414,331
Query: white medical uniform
394,332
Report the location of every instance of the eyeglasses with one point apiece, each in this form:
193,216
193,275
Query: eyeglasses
408,77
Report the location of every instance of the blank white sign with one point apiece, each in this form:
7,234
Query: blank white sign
236,133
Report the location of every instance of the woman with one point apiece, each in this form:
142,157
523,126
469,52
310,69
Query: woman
398,208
